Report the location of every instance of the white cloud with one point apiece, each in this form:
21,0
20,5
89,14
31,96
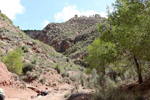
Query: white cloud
11,7
46,22
70,11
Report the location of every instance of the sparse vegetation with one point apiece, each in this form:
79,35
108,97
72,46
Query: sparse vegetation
116,62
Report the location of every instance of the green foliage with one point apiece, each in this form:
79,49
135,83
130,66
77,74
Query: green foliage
107,89
59,68
65,74
25,48
112,93
124,36
67,94
130,30
73,78
35,61
100,54
28,67
13,61
1,44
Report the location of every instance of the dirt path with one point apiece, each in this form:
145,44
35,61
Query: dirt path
58,93
61,92
14,99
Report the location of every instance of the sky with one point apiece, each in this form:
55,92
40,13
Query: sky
36,14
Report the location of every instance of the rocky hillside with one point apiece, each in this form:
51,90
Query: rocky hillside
70,38
38,56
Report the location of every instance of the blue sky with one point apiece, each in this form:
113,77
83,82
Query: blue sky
36,14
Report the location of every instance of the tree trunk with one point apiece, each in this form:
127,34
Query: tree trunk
138,71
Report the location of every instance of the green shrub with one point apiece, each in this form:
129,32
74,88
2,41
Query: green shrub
117,94
28,67
73,78
34,61
1,44
59,69
25,48
22,78
67,94
68,80
13,61
65,74
37,75
107,89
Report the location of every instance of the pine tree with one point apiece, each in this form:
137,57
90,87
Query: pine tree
128,29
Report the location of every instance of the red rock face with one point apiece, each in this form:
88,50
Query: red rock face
64,37
5,75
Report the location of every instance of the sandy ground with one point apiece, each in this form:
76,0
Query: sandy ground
57,93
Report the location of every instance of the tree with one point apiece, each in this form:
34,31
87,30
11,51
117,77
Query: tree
100,54
128,29
13,61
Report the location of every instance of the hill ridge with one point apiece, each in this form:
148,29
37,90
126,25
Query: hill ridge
71,37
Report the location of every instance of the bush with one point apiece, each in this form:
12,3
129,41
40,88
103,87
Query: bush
28,67
34,61
65,74
25,48
67,94
107,89
59,69
37,75
13,61
117,94
73,78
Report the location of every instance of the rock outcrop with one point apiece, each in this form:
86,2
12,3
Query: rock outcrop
8,79
5,75
70,38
